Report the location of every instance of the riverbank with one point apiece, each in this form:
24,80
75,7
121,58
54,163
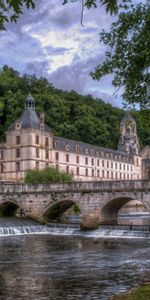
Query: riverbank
140,293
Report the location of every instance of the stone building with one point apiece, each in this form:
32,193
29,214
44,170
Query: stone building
30,144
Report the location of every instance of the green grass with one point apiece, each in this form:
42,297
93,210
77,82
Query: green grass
47,175
141,293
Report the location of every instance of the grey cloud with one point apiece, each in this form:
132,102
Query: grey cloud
23,52
57,50
76,76
36,67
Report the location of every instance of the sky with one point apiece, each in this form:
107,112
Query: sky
50,42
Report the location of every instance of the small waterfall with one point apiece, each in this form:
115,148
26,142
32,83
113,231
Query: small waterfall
18,230
23,227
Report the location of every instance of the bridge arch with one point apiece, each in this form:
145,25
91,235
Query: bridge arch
55,210
10,208
109,211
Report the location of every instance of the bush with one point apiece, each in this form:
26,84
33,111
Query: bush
76,209
47,175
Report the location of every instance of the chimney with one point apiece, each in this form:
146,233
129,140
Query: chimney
42,120
42,117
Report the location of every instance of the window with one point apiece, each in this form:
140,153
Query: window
46,141
17,166
86,172
112,175
116,165
120,176
107,174
103,174
2,154
47,154
37,152
37,165
37,139
17,126
57,156
92,161
17,153
107,164
77,148
97,173
98,162
92,173
77,159
78,171
112,165
67,157
127,167
102,163
18,139
1,168
120,166
124,167
86,160
67,169
137,162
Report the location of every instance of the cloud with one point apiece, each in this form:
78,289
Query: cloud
50,42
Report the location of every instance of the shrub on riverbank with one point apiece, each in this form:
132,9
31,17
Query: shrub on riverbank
47,175
141,293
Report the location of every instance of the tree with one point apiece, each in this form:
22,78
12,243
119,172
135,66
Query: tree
10,10
112,6
128,49
129,56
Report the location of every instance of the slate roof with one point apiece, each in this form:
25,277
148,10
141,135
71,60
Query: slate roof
28,119
127,117
61,144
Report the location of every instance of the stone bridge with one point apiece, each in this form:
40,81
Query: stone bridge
99,202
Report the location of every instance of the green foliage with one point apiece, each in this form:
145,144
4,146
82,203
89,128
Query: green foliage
76,209
10,10
68,114
141,293
47,175
111,6
128,53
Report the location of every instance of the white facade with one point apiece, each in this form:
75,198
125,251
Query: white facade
30,144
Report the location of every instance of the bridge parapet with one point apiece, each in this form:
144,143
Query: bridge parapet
126,185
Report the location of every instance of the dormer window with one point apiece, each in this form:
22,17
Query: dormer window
67,147
18,126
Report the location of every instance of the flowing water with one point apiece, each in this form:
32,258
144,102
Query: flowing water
69,267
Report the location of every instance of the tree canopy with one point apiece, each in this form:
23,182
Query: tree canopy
127,42
68,114
10,10
128,55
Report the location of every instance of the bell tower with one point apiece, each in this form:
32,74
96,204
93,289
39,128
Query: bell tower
128,136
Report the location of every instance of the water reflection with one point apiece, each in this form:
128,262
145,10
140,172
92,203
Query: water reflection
43,267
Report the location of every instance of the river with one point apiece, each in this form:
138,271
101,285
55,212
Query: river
45,267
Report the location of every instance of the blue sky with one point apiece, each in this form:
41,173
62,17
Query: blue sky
50,41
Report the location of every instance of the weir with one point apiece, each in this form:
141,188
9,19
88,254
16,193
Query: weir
27,226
